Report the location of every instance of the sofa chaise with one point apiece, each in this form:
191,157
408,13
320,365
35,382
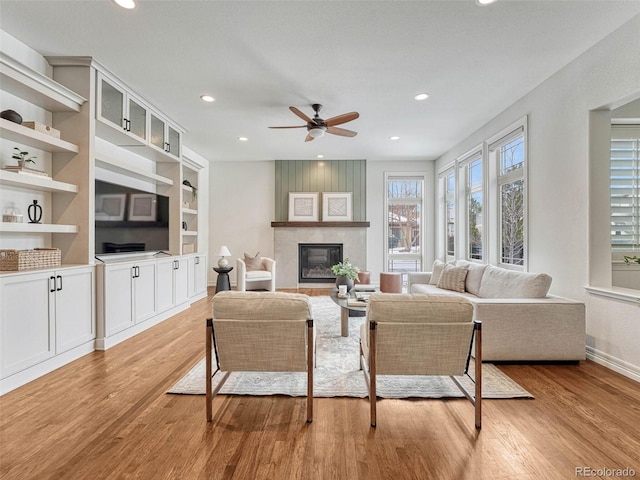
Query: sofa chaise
520,321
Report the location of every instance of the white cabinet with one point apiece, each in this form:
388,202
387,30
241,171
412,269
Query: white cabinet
164,136
75,307
128,294
121,111
172,284
44,314
197,275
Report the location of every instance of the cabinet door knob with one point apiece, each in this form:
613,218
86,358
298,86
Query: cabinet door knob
197,260
52,284
59,277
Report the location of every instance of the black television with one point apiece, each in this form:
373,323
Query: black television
129,220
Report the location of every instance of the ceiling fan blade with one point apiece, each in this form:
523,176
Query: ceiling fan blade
300,114
309,138
297,126
343,132
340,119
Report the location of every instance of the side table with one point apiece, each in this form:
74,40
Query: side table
222,283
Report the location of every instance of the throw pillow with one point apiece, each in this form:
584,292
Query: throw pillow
453,278
253,263
436,271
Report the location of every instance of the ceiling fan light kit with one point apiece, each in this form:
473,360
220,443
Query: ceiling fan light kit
317,132
317,127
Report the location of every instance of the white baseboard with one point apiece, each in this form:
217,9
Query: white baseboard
613,363
36,371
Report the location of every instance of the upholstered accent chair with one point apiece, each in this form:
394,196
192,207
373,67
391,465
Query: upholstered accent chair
420,335
259,332
255,273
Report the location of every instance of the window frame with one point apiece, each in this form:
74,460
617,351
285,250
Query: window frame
444,197
497,180
464,190
631,133
423,202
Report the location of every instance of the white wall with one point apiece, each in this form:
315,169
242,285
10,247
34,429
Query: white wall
559,188
241,210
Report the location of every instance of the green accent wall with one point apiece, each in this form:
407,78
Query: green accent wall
321,176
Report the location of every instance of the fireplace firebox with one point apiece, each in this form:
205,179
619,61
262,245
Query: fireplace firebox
315,261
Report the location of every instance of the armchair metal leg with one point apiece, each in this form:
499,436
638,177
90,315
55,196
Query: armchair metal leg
310,351
478,365
209,347
373,398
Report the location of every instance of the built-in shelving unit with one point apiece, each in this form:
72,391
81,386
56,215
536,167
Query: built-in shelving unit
62,192
190,173
142,151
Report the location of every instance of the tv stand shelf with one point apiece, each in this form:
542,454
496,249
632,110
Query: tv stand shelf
129,224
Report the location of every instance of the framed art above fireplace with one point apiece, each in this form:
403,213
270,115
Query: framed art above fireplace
303,207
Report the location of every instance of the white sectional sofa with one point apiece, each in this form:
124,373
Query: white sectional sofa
520,321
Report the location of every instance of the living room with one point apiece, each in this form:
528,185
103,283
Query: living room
568,121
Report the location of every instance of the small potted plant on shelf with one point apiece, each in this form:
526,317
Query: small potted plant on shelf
346,273
21,156
628,260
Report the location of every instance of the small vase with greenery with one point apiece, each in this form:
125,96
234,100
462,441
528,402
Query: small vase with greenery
22,158
346,273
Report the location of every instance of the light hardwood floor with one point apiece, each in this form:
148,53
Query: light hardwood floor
107,416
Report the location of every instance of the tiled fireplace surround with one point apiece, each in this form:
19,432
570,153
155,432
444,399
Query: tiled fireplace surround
286,240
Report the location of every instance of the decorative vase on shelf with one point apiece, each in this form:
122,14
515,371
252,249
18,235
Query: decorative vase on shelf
12,116
344,280
34,212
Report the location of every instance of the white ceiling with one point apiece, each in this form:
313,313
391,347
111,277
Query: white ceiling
258,57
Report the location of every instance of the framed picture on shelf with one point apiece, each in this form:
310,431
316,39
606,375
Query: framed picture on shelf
110,207
142,207
337,207
303,207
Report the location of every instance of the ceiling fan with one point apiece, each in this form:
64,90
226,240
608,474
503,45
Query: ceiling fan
316,126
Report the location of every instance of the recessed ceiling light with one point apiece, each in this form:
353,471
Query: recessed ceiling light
421,96
484,2
320,156
243,139
128,4
207,98
395,137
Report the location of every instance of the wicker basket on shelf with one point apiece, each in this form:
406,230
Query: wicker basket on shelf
15,260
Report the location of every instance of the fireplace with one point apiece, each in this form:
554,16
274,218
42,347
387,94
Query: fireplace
315,261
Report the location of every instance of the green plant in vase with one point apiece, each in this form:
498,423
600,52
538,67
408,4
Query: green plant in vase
22,157
346,273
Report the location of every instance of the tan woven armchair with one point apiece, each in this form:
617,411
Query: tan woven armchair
420,335
259,332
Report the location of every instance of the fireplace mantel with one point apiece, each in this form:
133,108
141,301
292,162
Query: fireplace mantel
319,224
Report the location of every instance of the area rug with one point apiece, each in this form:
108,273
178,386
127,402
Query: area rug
337,372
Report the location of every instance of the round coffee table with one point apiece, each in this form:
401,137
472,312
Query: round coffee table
345,308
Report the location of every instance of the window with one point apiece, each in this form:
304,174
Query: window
625,188
474,205
510,157
405,211
450,213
